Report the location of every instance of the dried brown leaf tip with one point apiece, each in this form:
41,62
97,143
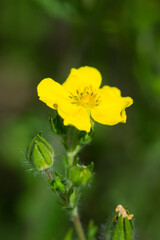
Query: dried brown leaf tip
122,211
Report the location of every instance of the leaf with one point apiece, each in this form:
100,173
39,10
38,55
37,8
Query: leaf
69,234
58,185
59,9
92,230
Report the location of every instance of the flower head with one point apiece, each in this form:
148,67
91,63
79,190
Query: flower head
79,99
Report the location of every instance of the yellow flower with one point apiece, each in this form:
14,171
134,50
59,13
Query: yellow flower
79,99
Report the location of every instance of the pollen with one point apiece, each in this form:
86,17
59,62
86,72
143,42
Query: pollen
87,97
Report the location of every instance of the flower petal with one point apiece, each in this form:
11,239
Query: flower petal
83,77
74,115
50,92
111,109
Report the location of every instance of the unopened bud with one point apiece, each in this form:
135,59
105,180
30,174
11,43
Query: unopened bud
40,153
121,226
80,175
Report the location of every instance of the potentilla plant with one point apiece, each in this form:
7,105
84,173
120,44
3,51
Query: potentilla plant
79,103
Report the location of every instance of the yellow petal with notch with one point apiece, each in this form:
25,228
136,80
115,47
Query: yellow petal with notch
111,109
50,92
81,78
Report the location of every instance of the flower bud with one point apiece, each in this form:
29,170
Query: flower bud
40,153
80,175
121,226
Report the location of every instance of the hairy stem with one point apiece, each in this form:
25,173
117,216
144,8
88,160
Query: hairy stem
49,175
71,154
78,225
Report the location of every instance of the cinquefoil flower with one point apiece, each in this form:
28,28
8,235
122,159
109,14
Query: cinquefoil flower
79,99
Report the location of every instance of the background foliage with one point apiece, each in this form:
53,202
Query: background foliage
45,38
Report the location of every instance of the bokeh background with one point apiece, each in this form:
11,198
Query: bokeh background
46,38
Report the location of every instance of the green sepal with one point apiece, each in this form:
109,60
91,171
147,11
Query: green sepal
128,229
131,221
85,138
57,125
42,140
58,174
118,232
29,150
92,231
110,227
53,128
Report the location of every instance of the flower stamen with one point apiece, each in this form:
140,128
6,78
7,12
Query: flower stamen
87,97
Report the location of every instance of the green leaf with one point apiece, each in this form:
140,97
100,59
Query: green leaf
58,185
118,233
42,140
59,9
69,234
92,230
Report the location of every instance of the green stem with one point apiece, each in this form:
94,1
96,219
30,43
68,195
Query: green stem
71,154
74,139
70,158
74,149
78,225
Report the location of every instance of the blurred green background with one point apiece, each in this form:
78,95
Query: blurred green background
46,38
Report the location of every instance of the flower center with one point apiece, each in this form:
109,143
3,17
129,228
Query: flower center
87,97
